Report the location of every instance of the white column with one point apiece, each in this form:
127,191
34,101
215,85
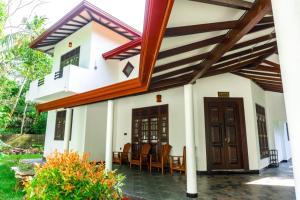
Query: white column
287,26
191,173
68,130
109,135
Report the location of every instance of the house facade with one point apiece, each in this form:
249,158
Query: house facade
111,85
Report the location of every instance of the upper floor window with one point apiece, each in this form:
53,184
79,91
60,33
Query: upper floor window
70,58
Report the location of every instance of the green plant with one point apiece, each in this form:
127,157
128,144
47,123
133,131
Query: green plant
25,166
69,176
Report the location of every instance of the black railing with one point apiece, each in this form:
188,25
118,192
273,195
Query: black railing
41,82
58,74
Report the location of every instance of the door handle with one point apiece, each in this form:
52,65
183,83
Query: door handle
228,140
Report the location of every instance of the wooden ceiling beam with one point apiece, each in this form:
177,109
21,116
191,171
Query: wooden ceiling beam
169,83
190,47
248,51
261,27
254,41
270,83
260,73
231,68
204,55
263,81
199,28
267,68
180,62
240,59
246,23
174,73
232,65
256,77
246,64
271,63
266,22
237,4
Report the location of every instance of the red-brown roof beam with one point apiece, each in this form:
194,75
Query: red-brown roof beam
121,49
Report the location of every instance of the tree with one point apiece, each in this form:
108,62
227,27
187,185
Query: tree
20,65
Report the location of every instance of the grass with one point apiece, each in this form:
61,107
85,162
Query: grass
7,177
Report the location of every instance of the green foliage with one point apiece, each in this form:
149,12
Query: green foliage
7,177
3,16
19,65
34,124
67,176
25,166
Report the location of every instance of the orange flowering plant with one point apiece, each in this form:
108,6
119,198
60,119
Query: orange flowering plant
69,176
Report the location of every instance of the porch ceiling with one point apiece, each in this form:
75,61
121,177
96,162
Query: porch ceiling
206,38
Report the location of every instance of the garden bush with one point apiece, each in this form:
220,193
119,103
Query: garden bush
69,176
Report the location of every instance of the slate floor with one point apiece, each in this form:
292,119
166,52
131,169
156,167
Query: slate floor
271,184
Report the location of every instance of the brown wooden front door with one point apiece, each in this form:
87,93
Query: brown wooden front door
225,128
150,126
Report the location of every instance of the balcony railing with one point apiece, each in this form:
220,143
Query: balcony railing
41,82
71,80
58,74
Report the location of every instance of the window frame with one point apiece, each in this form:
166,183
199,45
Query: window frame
61,136
68,56
125,69
262,131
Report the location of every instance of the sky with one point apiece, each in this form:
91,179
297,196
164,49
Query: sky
128,11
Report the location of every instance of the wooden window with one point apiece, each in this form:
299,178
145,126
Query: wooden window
128,69
60,125
262,131
70,58
150,125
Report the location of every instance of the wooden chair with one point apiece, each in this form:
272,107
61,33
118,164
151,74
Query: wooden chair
178,163
142,157
161,159
119,157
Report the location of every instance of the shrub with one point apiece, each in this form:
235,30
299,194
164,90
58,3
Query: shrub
68,176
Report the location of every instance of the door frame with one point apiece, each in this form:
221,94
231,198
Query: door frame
244,146
164,106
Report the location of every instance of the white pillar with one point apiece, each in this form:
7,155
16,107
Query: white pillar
287,25
109,135
191,173
68,130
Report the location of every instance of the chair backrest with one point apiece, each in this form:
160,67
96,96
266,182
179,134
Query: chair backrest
126,148
166,148
145,149
184,156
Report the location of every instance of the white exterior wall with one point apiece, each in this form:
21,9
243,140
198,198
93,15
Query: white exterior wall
277,126
77,134
94,40
206,87
93,71
95,131
93,136
123,116
258,97
81,38
88,131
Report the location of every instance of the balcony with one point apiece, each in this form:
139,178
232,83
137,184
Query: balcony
69,81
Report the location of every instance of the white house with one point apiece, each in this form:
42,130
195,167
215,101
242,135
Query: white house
204,75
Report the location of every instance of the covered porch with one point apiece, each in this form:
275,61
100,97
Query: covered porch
239,57
272,183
